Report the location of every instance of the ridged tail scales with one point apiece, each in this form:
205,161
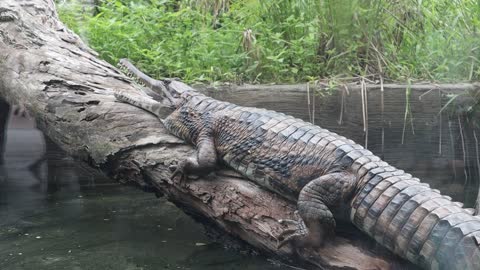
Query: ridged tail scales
415,221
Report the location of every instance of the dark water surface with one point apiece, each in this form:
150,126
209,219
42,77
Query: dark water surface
56,214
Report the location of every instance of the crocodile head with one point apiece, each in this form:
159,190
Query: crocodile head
167,91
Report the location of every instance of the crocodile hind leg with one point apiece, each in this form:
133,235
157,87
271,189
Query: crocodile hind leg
315,221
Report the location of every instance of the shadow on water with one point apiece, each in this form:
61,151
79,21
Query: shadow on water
57,214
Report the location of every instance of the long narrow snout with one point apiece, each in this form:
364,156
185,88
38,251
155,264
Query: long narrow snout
156,89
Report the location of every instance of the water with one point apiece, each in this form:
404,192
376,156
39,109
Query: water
59,215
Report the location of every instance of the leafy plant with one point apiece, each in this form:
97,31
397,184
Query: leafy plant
285,40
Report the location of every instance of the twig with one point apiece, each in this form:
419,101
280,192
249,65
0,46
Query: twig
477,202
382,107
405,116
379,57
308,102
440,127
464,151
408,112
313,104
382,96
426,93
440,135
452,143
364,109
342,105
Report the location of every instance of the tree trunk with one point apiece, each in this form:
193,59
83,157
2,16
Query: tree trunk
69,91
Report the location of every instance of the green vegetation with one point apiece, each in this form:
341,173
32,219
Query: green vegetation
286,40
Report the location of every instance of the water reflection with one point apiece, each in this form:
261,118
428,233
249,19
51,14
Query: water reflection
58,214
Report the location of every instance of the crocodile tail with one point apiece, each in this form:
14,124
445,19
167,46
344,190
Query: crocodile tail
142,101
414,221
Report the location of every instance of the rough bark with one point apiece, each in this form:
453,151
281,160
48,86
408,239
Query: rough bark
70,93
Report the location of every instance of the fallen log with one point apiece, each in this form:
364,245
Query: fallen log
69,91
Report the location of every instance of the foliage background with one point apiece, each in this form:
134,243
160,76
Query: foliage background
285,40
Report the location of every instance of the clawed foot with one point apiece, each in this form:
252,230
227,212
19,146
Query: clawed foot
177,170
288,235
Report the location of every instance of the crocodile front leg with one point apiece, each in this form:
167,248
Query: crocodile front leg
315,221
200,163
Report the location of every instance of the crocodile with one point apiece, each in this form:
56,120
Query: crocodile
329,176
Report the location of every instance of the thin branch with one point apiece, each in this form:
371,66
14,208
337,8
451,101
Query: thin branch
477,152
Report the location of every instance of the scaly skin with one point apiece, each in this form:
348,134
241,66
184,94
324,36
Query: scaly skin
328,175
